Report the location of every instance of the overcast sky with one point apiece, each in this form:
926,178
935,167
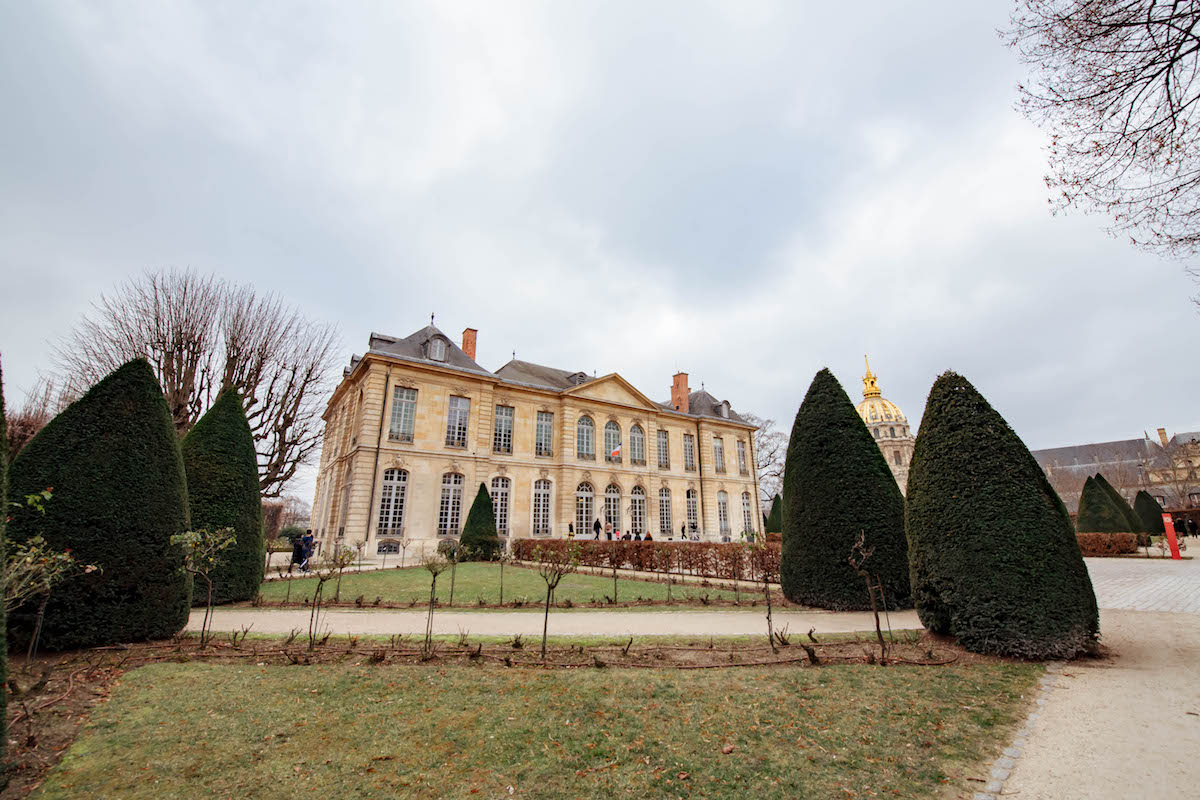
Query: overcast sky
747,191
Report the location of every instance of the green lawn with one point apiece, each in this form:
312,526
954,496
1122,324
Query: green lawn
475,581
192,730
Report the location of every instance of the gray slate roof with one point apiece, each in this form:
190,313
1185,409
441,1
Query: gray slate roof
413,348
1095,456
539,375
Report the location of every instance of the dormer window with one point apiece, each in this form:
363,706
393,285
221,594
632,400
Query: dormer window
723,409
437,349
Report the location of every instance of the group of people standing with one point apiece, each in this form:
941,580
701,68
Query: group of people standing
607,532
302,551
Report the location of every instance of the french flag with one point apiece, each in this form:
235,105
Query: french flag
615,453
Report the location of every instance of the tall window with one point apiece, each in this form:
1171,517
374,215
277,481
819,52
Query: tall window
637,445
637,510
664,511
742,458
723,513
502,434
664,450
500,492
719,453
693,512
450,510
612,442
437,350
391,503
689,451
456,421
612,506
541,507
896,457
747,512
584,500
544,444
585,438
404,412
893,430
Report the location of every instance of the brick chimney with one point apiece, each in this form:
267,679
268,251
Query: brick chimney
679,393
468,345
1162,436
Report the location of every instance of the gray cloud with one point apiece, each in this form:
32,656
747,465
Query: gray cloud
746,191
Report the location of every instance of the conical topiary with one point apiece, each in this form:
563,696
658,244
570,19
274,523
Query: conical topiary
994,558
1149,512
3,549
479,540
1098,512
775,518
223,492
1131,519
837,486
112,458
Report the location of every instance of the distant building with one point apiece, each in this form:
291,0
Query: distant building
889,426
416,425
1167,468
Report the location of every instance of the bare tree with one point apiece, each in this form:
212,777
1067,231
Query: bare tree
554,565
1115,83
202,336
42,404
770,452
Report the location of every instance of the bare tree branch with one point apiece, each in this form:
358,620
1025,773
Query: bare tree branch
202,336
770,451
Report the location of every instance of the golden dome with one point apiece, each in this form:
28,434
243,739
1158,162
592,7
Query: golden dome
875,409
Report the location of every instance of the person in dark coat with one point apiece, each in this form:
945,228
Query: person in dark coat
1190,527
596,528
297,554
309,546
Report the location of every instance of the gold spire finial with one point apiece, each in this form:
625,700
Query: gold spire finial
870,382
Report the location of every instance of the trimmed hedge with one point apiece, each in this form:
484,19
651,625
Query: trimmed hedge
479,539
994,557
1149,512
3,549
705,559
774,523
223,492
1131,519
837,485
1098,512
113,460
1107,544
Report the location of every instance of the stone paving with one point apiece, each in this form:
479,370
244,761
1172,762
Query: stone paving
1146,584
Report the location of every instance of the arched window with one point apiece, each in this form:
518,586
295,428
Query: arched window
437,349
391,503
664,511
747,513
896,457
693,512
893,430
637,510
877,433
612,506
500,494
723,513
584,500
541,507
450,509
585,438
612,442
637,445
387,546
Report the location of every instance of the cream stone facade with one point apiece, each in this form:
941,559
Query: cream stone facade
415,426
889,426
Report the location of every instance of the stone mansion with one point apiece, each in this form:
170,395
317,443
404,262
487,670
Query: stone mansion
416,425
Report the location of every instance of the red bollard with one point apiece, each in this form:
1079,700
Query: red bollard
1169,525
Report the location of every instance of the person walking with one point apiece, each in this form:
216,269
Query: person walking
297,554
309,546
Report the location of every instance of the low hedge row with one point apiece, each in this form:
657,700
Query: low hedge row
706,559
1107,544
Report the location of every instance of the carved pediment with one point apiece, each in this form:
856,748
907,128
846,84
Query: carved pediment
407,383
543,473
587,475
613,388
460,390
397,463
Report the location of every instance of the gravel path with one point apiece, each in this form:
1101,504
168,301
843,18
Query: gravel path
507,623
1128,727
